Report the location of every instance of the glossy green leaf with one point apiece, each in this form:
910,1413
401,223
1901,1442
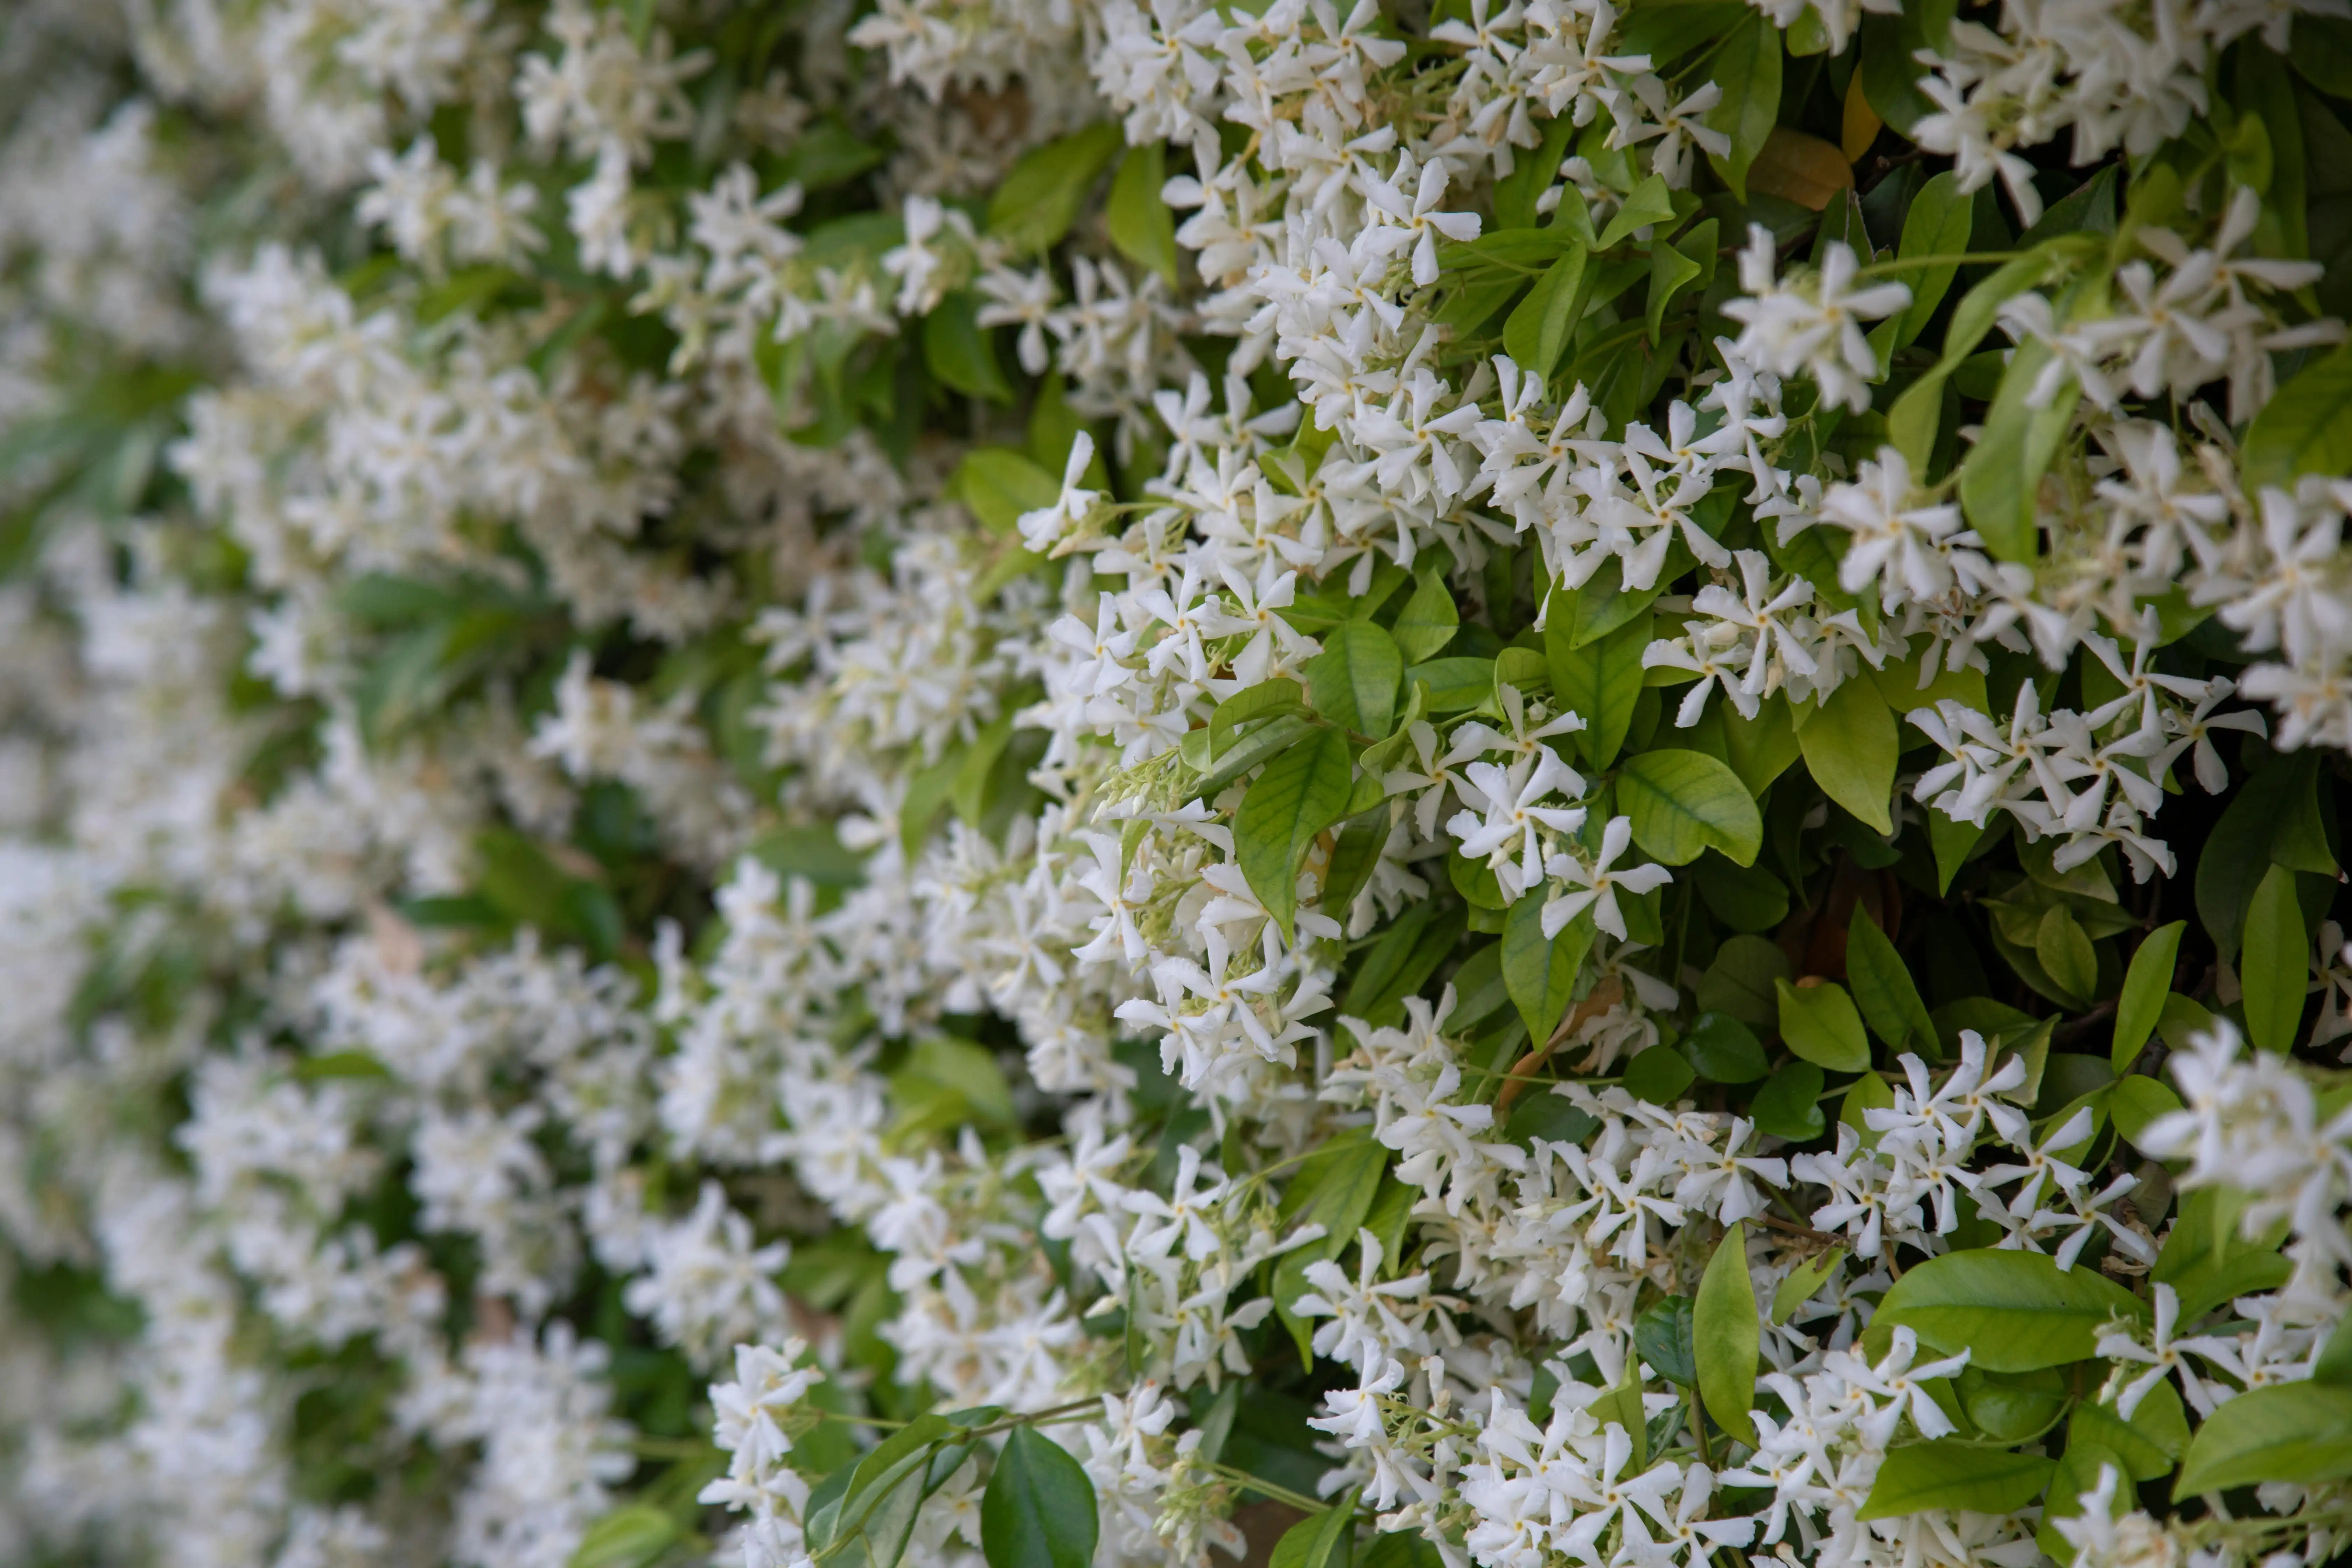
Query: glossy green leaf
2014,1311
1538,328
1325,1539
1890,1001
1264,700
1039,1508
1599,682
1683,803
1137,217
1747,68
1037,200
2136,1101
2063,951
2273,962
2002,473
2295,1432
1303,791
2078,1472
1725,1050
1952,1474
960,353
1819,1023
1789,1105
2149,1444
1538,970
1428,621
2304,428
1726,1334
2145,984
1660,1075
1650,203
998,484
1354,680
1661,1337
1739,980
1745,898
1803,1283
1937,223
1850,747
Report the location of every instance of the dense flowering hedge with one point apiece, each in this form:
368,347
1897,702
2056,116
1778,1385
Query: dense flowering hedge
1067,783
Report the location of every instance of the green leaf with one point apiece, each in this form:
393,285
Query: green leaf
2304,428
885,1492
1659,1075
1890,1001
2063,951
2273,962
999,483
2136,1100
957,349
1355,856
1937,223
1739,980
1264,700
1685,803
1789,1105
1597,608
1804,1282
1671,271
1538,970
1726,1335
1951,1474
1745,898
1428,621
1334,1188
1354,679
628,1537
1303,791
2295,1432
2078,1472
2334,1367
2208,1259
2146,985
1621,1406
1137,217
1911,424
1454,684
1850,747
1867,1093
1037,200
1662,1336
2003,471
1538,328
1725,1050
2149,1444
1819,1023
2015,1312
1325,1539
1747,68
1601,682
1651,203
1039,1508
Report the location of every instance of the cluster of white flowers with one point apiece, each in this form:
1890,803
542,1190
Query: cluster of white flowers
559,836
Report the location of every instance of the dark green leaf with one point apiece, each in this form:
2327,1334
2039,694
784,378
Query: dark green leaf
960,354
2273,962
1789,1105
1658,1075
1937,225
1039,1508
1725,1050
1890,1002
1137,217
1303,791
1036,202
1747,68
2305,428
1540,326
1661,1337
1429,619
